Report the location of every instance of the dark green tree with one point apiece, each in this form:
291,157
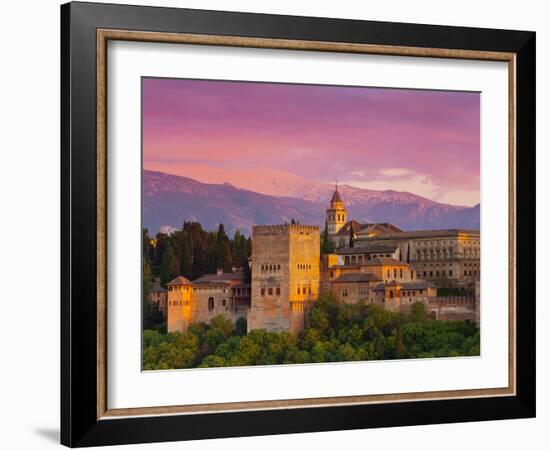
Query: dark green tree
327,246
169,265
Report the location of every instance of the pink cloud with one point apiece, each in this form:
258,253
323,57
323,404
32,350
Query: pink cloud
316,132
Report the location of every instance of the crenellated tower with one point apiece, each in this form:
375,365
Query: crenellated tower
336,213
285,276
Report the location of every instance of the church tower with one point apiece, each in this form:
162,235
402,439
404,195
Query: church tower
336,213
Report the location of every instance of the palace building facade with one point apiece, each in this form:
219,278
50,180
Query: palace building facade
446,258
373,264
200,300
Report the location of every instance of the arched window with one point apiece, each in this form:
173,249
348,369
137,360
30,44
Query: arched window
391,294
401,273
395,273
211,303
298,290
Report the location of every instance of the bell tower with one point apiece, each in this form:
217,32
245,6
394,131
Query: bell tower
336,213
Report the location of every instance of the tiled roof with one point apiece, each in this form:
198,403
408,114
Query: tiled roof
406,286
356,278
366,249
359,228
384,262
423,234
420,285
220,284
179,281
230,276
158,289
336,197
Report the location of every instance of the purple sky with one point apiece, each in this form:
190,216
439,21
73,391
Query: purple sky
425,142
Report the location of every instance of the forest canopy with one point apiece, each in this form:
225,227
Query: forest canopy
334,332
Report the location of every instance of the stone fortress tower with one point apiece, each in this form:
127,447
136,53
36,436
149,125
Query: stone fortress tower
336,213
285,276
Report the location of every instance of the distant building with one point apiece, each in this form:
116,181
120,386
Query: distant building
447,258
223,294
158,297
380,280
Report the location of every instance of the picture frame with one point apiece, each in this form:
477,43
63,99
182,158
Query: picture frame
86,418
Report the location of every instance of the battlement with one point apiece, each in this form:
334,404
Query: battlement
282,229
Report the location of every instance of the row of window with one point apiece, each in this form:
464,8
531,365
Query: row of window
270,291
446,242
339,217
359,259
304,290
437,273
467,273
388,273
407,293
434,254
270,267
245,292
303,266
178,288
178,303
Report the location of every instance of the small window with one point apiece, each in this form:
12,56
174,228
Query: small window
309,290
278,291
224,302
210,303
262,292
270,291
298,290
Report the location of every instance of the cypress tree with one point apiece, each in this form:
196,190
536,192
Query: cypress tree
169,266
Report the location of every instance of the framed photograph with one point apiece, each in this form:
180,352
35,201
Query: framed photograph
276,224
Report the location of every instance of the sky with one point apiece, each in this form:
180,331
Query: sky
419,141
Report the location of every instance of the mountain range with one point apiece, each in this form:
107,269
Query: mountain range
169,200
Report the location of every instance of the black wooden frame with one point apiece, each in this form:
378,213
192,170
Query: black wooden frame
79,423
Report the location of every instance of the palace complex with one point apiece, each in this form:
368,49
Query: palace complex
372,263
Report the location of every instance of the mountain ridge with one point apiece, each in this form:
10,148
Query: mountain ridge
169,200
